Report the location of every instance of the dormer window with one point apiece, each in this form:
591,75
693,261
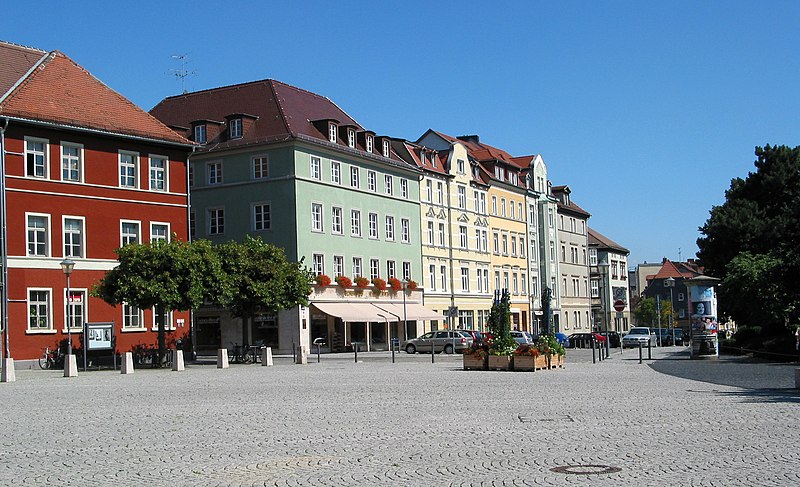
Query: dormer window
200,134
332,132
235,128
460,166
433,160
385,148
369,143
351,137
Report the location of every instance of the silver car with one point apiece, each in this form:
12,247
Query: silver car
522,337
442,340
638,335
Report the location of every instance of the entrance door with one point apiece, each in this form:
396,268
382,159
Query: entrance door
207,334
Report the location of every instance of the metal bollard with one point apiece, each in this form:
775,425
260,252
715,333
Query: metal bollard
355,349
433,354
649,349
640,352
294,354
319,345
391,341
594,360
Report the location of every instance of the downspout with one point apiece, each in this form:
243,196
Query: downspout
4,349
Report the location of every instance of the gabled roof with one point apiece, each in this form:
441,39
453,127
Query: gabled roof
601,241
61,92
16,62
410,152
558,192
282,112
677,270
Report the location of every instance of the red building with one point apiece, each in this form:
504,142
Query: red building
86,171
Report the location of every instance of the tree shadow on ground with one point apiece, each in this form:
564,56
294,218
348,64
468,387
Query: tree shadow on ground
759,381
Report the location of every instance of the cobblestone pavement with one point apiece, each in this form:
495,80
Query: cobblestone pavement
669,421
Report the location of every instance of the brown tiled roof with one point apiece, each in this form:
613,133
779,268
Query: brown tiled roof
409,152
16,62
677,270
62,92
556,190
283,112
600,240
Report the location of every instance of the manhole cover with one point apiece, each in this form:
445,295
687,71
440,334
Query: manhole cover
586,469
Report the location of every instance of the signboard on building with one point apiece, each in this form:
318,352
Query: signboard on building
99,336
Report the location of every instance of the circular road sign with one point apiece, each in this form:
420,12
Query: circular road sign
619,305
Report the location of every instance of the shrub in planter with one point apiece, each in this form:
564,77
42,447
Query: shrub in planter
361,282
395,284
379,284
343,281
323,280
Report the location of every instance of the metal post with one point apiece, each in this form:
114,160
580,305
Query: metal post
405,316
640,352
433,353
319,346
355,349
658,314
594,361
672,314
649,349
69,320
392,345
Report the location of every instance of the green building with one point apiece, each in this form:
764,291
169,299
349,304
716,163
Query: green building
290,166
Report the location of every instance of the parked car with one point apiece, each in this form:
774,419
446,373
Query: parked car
442,340
584,340
679,337
562,339
614,340
637,335
475,334
522,337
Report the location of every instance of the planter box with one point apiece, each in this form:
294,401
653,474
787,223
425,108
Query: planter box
500,362
541,362
556,361
474,362
525,363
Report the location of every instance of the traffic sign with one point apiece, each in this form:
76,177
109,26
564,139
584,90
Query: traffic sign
619,305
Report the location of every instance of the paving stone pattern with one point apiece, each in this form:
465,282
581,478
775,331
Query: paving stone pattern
409,423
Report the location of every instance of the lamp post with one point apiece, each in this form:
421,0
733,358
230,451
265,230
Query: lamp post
603,268
405,316
67,265
670,283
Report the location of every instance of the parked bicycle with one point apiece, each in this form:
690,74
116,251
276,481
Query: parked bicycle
52,358
240,354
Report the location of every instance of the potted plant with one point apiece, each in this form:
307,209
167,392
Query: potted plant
344,281
361,282
549,347
323,280
525,358
379,284
395,284
502,345
475,357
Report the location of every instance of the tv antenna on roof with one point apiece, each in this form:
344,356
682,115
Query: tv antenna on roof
183,72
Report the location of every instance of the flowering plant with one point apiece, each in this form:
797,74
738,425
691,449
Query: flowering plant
477,350
361,282
411,284
323,280
527,350
379,284
395,284
343,281
548,344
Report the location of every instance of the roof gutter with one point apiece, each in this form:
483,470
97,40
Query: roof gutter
99,132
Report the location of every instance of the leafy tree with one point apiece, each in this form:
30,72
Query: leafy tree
500,325
646,312
750,241
260,280
667,313
164,275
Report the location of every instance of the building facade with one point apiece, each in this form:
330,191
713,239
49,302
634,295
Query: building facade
85,172
608,270
291,167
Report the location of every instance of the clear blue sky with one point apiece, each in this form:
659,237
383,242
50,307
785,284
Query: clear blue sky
646,110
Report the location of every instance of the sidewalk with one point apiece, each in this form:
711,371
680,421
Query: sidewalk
408,423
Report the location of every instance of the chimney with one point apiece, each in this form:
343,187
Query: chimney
470,138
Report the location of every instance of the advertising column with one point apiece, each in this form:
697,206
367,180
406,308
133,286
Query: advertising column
703,306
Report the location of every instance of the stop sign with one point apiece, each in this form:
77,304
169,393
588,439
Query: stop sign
619,305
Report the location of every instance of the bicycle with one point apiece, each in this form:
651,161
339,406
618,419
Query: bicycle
51,358
240,354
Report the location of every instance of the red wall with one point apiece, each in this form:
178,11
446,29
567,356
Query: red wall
102,204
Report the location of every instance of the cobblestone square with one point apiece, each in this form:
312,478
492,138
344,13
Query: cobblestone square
669,421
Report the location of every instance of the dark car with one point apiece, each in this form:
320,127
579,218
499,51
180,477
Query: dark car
476,335
584,340
614,340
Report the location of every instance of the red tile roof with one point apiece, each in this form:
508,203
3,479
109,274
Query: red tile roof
679,270
62,92
557,191
600,240
283,112
16,62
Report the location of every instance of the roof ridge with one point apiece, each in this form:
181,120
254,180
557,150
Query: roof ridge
271,84
14,44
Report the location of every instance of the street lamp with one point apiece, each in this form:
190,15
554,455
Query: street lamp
603,268
405,317
670,283
67,265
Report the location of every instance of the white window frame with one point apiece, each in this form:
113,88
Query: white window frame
82,236
405,230
358,266
164,172
369,143
122,235
337,220
169,325
333,132
404,188
351,138
336,172
462,197
67,161
47,233
391,269
373,226
338,265
389,227
49,311
220,228
124,164
386,148
355,177
214,172
235,129
45,155
200,133
153,226
406,270
315,168
259,165
463,238
318,264
388,184
372,181
82,306
465,279
263,224
374,268
355,223
317,217
126,318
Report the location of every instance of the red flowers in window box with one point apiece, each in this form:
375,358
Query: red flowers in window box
395,284
411,284
362,282
343,281
323,280
379,284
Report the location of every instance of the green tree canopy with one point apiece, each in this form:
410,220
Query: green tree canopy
646,312
751,242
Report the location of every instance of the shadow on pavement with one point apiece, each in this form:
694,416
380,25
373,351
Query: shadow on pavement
760,381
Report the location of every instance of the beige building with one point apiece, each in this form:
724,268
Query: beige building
608,268
572,247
